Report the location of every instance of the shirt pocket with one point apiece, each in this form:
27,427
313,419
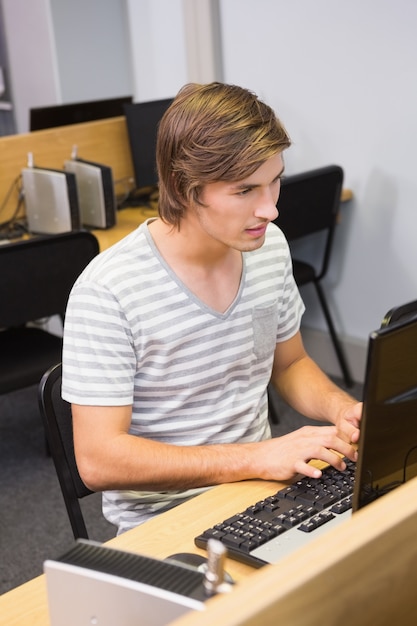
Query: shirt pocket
265,321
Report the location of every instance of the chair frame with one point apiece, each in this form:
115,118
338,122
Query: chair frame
313,199
57,420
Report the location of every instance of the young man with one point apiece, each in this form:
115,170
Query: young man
173,334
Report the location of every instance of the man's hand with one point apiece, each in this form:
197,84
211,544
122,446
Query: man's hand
348,423
284,457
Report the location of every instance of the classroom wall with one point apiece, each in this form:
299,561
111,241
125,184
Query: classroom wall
34,79
342,77
173,42
158,50
62,51
92,48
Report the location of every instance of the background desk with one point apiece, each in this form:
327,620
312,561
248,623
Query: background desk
362,572
127,221
104,141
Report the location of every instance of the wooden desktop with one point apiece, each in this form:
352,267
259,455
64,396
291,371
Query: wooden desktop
362,571
127,220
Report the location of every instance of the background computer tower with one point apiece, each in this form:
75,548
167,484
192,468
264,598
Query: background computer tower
51,200
96,194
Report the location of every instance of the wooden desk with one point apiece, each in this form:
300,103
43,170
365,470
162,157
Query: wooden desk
127,221
166,534
103,141
363,571
347,194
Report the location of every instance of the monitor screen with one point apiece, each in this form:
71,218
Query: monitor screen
389,422
142,120
76,112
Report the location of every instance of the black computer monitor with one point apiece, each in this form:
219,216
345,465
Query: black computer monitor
76,112
142,120
389,421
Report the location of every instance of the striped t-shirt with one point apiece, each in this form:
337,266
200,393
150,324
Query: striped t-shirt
135,334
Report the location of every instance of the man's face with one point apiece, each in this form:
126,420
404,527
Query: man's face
236,214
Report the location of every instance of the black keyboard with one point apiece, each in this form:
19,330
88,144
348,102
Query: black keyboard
271,528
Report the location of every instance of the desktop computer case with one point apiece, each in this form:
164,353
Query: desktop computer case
51,200
95,192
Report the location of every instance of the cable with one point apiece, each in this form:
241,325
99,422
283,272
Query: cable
10,190
377,491
406,461
14,227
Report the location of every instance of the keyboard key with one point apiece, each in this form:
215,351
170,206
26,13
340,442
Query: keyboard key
325,501
308,497
247,546
342,506
234,541
213,533
316,521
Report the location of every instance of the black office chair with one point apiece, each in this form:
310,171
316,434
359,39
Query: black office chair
309,203
36,276
57,420
400,312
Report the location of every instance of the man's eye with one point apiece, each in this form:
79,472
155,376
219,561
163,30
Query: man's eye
243,192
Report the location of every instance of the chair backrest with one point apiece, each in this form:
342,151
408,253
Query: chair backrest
57,420
309,203
399,313
37,275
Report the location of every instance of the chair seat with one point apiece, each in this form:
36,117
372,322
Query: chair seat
26,354
304,273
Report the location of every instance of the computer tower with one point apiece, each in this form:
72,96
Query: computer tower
95,584
96,195
51,200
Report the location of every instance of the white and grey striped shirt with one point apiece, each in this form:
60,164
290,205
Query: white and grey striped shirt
135,334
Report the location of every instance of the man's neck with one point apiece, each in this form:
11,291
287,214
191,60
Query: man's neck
209,269
190,246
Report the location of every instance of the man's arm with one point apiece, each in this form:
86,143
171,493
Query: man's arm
305,387
108,457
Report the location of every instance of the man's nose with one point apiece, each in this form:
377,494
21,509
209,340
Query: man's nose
267,207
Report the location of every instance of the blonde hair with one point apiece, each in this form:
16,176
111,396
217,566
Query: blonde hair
214,132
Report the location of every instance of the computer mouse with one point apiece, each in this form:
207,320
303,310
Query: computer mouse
196,561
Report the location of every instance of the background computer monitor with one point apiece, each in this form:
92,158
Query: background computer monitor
76,112
389,421
142,120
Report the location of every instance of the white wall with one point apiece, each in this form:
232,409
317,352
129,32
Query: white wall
173,42
92,49
61,51
342,77
158,48
32,59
